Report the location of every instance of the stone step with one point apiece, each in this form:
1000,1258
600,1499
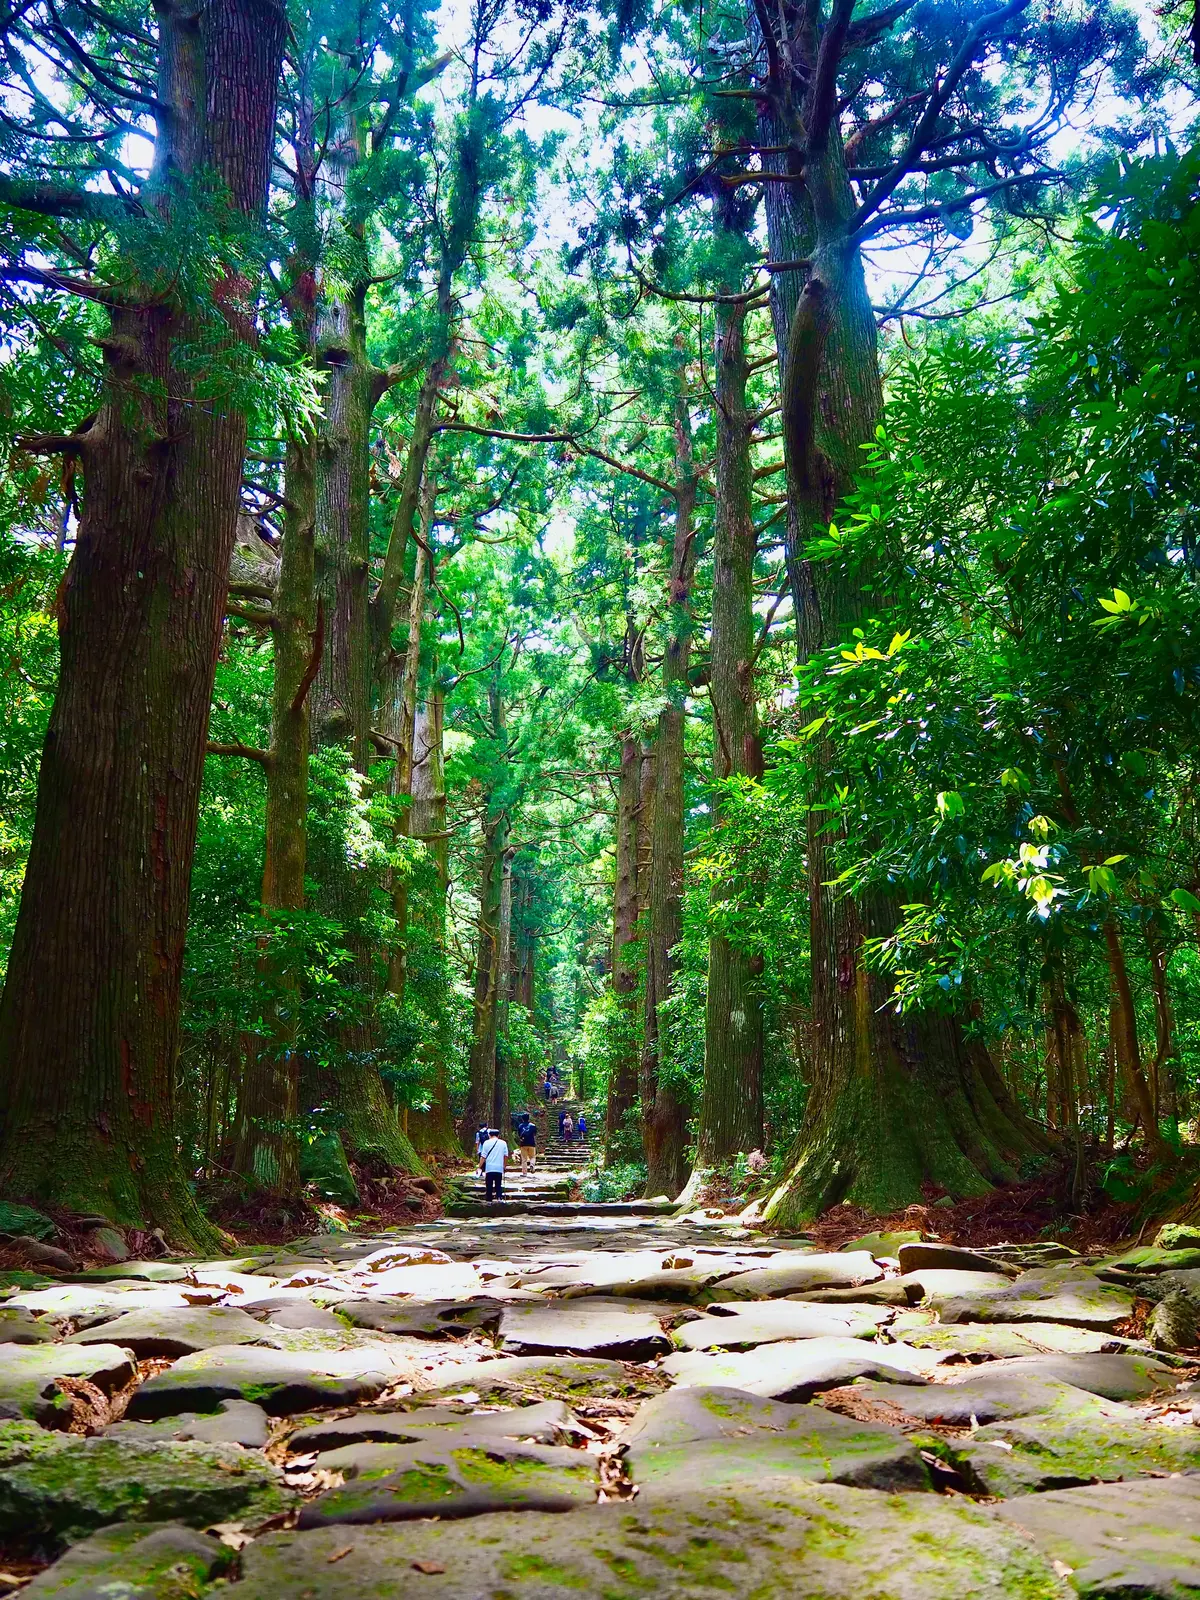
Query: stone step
513,1207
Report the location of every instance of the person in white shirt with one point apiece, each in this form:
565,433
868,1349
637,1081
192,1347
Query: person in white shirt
493,1153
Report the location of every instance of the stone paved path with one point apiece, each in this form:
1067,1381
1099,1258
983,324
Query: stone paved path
549,1400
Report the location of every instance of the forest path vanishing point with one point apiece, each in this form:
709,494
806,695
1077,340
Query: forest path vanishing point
602,1400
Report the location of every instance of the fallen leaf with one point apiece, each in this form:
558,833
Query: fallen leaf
232,1534
339,1555
428,1566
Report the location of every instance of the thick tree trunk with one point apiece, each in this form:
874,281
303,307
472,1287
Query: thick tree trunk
731,1107
481,1092
398,711
504,972
1125,1041
341,710
664,1106
89,1023
267,1141
433,1130
894,1102
623,1072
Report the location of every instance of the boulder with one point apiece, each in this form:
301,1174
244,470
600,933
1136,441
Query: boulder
1075,1444
135,1561
17,1221
886,1245
1112,1377
109,1244
175,1332
590,1327
137,1271
1067,1294
52,1497
521,1376
237,1422
986,1397
995,1340
796,1271
1171,1236
18,1326
733,1441
796,1369
1119,1539
765,1321
546,1423
281,1381
817,1542
947,1257
325,1170
427,1319
294,1310
28,1375
439,1477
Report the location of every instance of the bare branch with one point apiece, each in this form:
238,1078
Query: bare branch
246,751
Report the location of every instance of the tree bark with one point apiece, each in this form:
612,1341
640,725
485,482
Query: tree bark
894,1102
481,1093
89,1022
731,1107
663,1102
1125,1041
623,1071
267,1141
433,1130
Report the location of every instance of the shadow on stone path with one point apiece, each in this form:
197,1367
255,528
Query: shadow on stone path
549,1399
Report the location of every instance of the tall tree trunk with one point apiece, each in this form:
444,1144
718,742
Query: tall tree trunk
481,1091
399,715
503,989
89,1022
664,1107
267,1141
341,709
623,1071
895,1102
433,1130
1125,1041
731,1107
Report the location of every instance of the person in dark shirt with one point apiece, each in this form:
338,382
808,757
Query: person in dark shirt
527,1144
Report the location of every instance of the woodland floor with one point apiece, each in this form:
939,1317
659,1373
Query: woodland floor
552,1398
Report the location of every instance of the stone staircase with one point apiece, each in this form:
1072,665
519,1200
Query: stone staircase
543,1192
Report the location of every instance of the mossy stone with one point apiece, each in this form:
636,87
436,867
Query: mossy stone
324,1168
18,1220
135,1561
55,1497
816,1542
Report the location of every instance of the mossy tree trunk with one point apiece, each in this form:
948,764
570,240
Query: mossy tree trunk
663,1101
623,1069
433,1130
895,1102
89,1021
731,1107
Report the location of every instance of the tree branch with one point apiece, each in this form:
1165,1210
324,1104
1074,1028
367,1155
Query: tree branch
62,200
246,751
314,659
934,106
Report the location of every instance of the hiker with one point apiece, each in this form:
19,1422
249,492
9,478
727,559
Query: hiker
568,1128
528,1144
547,1090
562,1117
582,1129
480,1136
492,1155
